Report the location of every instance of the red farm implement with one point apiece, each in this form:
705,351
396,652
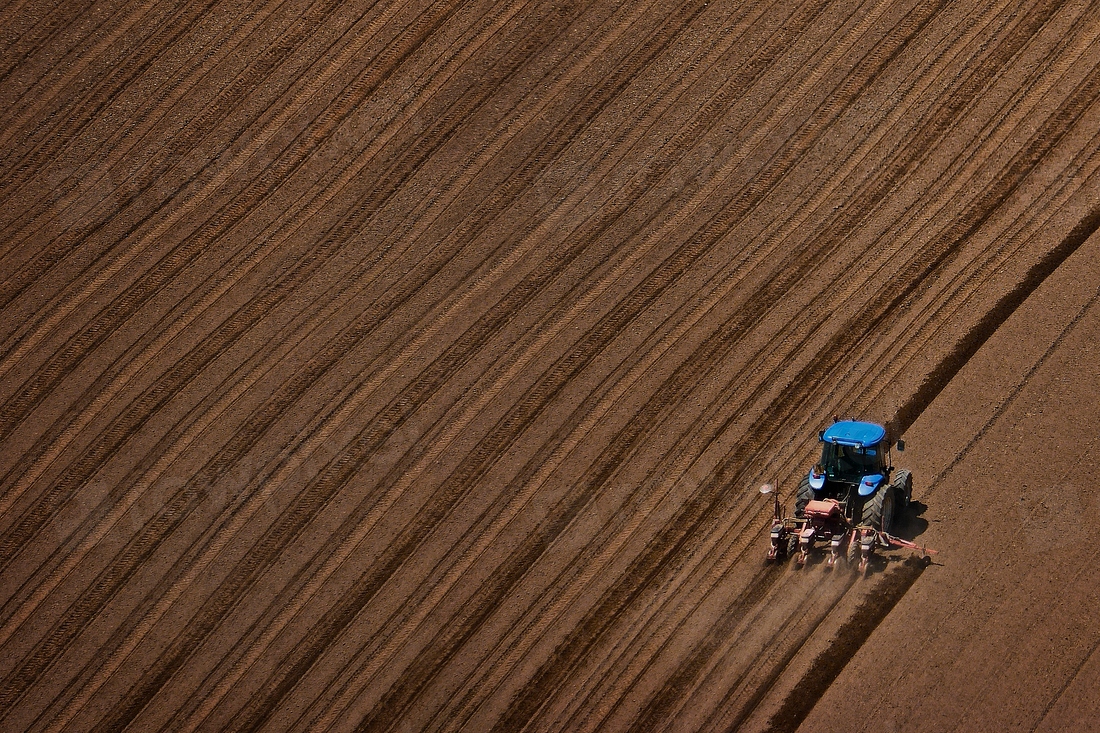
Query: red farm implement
824,524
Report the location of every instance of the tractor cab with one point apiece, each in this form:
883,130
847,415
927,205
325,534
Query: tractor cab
855,462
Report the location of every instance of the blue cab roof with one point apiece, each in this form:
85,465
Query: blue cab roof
851,432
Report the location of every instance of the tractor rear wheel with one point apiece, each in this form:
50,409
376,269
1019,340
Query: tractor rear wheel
804,496
902,482
879,511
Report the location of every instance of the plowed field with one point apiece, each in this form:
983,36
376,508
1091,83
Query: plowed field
414,365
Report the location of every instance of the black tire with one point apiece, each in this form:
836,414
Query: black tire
805,494
853,551
902,482
879,512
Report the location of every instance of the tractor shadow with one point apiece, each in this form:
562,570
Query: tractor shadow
910,524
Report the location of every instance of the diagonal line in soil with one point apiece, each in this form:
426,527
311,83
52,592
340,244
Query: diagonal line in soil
702,508
831,661
93,600
950,365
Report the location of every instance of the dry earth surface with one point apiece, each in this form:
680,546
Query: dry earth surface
413,365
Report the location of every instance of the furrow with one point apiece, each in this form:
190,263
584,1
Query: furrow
41,35
942,299
1070,239
167,332
70,201
466,328
121,308
750,317
112,438
775,651
295,152
700,507
326,572
635,422
160,163
766,298
951,186
95,598
474,466
389,427
832,660
94,100
220,461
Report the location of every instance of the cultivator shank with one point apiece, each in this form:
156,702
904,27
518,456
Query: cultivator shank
824,522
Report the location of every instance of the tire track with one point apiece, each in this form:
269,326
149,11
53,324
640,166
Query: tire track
62,247
78,194
992,320
641,574
17,24
703,506
1071,239
967,286
796,625
224,462
976,214
289,534
288,525
948,178
109,318
677,687
977,335
800,686
160,163
298,149
762,350
155,170
971,277
556,512
642,420
92,602
1069,681
834,227
491,447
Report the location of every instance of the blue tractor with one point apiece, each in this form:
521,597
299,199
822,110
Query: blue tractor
849,499
856,470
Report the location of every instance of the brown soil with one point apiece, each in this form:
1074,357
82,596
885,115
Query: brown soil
412,366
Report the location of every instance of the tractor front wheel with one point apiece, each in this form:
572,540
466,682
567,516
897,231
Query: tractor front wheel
879,511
